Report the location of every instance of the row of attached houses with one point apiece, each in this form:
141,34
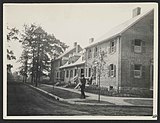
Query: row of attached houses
127,52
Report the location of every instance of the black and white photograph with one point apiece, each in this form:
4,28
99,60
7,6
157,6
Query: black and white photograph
95,61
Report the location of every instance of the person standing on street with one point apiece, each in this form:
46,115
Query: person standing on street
82,86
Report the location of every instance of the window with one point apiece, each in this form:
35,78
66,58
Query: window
137,71
95,51
89,53
137,45
94,72
112,70
112,46
75,72
67,74
86,72
57,74
82,71
89,72
71,73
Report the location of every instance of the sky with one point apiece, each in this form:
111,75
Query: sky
69,23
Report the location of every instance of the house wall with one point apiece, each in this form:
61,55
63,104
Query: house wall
70,79
141,30
58,62
109,58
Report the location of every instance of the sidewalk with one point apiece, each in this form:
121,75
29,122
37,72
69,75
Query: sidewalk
92,99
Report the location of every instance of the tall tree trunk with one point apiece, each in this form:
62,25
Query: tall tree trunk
33,75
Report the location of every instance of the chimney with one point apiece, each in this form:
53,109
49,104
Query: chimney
75,44
91,40
136,12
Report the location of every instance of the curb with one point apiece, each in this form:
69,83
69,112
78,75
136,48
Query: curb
83,103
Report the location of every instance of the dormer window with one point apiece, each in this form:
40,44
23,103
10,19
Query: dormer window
95,51
89,53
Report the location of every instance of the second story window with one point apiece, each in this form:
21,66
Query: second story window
137,45
112,47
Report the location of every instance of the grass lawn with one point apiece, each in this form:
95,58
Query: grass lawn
139,102
60,93
26,101
95,101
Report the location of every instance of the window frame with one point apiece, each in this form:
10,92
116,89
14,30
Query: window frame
71,73
89,53
112,72
67,73
140,71
137,48
113,48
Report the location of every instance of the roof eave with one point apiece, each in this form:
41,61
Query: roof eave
72,65
105,40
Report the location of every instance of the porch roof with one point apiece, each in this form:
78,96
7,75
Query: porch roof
78,62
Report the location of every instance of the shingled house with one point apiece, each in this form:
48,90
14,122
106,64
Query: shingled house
129,58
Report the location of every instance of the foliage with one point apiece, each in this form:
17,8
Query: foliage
12,35
39,48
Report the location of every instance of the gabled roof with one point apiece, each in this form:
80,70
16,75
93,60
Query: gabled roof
119,29
65,52
78,62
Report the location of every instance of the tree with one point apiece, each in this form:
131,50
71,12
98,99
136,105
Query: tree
41,47
12,35
99,67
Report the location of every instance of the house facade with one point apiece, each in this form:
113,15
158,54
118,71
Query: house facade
57,74
128,54
74,68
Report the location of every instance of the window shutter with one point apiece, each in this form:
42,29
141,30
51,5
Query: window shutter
132,70
143,72
132,45
114,70
109,70
143,47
